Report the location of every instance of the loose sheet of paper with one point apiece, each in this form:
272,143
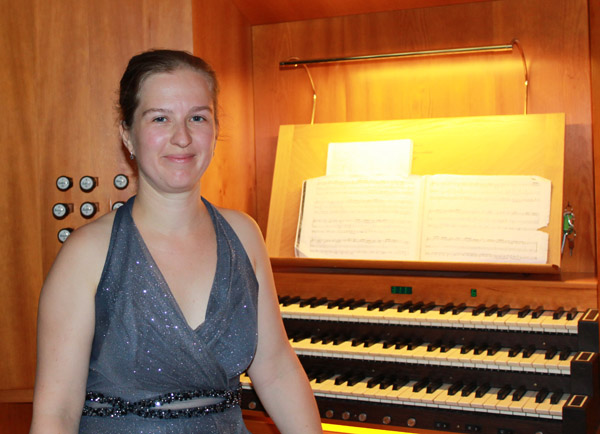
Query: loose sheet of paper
360,218
377,158
486,219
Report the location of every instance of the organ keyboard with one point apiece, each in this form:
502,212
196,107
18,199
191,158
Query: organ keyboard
451,367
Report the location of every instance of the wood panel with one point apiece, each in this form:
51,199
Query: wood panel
20,268
553,33
222,37
277,11
594,9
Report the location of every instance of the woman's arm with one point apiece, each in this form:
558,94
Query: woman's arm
65,331
276,374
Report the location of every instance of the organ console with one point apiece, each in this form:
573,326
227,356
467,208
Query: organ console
448,346
452,367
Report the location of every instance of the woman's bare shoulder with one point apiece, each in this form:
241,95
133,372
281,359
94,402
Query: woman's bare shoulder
246,229
85,249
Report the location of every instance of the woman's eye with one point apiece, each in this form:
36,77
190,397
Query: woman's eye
198,118
160,119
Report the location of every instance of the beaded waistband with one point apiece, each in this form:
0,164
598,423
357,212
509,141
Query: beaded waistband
109,406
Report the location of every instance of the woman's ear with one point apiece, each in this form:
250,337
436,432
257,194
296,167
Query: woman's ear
126,137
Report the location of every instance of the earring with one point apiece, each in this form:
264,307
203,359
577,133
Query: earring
131,156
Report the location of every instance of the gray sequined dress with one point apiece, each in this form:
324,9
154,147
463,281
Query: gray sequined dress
144,353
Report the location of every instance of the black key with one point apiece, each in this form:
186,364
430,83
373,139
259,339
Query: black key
468,389
342,378
479,349
491,310
385,306
458,309
387,381
357,303
307,302
503,310
374,305
518,394
571,314
564,354
346,303
445,347
454,388
327,339
503,393
541,395
321,301
434,385
420,385
404,306
466,348
537,312
558,313
375,381
400,382
493,349
291,300
446,308
434,346
427,307
370,341
555,397
402,343
283,299
358,341
550,353
524,311
339,339
411,345
334,303
300,336
315,339
482,390
527,352
415,307
323,376
355,379
514,351
478,310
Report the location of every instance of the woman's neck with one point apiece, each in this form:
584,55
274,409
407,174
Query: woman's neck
169,214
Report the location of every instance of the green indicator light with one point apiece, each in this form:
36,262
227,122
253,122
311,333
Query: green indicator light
401,289
473,292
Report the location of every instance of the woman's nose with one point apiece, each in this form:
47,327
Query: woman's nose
181,136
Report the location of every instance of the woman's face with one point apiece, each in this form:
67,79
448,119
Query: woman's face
173,132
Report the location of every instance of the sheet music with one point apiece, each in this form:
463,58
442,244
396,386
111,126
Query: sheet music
486,219
375,158
360,218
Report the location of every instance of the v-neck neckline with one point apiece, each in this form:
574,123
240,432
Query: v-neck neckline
164,285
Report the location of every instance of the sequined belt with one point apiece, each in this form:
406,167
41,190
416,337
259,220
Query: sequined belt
110,406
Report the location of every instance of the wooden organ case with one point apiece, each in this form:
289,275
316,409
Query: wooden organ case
451,347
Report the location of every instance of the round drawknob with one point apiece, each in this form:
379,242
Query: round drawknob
329,414
63,183
362,417
121,181
118,204
411,422
60,210
87,183
346,415
63,234
386,420
88,210
252,405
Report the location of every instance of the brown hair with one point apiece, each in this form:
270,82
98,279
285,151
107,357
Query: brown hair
142,65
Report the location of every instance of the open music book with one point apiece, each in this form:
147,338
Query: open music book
440,218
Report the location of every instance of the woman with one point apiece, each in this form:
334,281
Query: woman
150,313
